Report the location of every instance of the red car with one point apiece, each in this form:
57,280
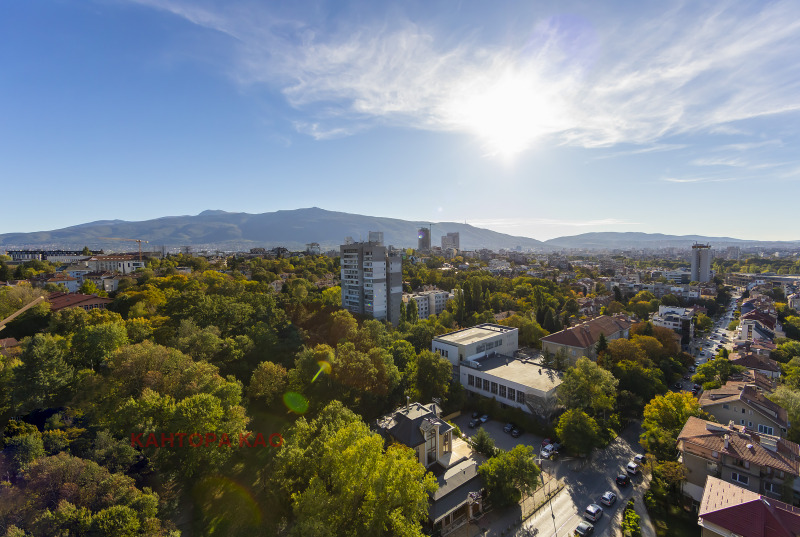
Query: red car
546,441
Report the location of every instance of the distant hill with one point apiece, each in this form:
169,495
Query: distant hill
617,240
292,229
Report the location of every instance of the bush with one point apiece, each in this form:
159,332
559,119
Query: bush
456,430
630,521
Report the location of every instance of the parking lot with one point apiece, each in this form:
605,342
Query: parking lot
495,429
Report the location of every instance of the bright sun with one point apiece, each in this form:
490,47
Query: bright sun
507,113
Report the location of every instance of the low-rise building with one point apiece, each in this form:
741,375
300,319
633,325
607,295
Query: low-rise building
745,405
475,342
675,318
581,340
759,362
421,428
759,462
124,263
68,282
728,510
429,302
513,382
60,301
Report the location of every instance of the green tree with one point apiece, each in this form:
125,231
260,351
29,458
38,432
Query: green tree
578,431
509,475
483,443
664,417
24,449
267,383
430,376
92,345
412,311
588,386
45,377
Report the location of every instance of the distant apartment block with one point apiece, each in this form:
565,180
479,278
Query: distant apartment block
701,263
429,302
451,240
372,281
376,237
53,256
124,263
424,239
675,318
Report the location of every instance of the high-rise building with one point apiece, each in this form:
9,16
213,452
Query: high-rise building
451,240
733,252
701,263
376,237
424,239
372,281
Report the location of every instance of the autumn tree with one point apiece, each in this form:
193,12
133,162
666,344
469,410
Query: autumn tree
588,386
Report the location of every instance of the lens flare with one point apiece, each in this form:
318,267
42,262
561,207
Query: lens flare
324,367
295,402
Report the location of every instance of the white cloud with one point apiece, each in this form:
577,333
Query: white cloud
698,179
694,68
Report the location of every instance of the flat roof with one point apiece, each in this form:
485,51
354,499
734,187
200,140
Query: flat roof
522,371
474,334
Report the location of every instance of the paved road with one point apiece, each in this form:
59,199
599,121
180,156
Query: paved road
586,481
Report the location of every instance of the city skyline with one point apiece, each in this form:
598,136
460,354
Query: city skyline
527,119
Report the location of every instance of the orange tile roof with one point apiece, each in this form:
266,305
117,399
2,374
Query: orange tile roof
587,334
744,445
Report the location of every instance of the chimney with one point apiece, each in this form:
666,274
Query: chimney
408,401
727,439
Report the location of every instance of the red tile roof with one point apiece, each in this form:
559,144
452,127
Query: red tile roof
755,361
59,301
587,334
746,513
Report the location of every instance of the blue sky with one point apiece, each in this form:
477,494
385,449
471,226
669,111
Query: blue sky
532,118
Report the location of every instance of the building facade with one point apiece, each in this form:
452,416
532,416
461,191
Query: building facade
701,263
581,340
424,239
372,281
476,342
451,240
429,302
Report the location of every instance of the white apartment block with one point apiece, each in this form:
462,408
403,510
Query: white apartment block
372,281
429,302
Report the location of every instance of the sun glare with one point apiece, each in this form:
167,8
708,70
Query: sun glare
507,114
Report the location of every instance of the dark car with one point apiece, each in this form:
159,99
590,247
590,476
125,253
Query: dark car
623,480
476,415
516,432
474,423
584,529
678,386
509,427
484,418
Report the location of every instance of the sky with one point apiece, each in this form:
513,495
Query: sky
539,119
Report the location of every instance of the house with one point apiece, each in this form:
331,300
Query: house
68,282
793,301
60,301
513,382
727,509
745,405
581,340
762,364
421,428
762,463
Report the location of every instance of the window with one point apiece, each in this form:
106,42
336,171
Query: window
502,391
494,387
511,393
743,411
520,397
750,424
741,422
485,385
715,454
772,487
735,409
764,429
726,406
471,380
743,479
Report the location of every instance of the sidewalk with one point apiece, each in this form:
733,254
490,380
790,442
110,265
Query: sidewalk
498,522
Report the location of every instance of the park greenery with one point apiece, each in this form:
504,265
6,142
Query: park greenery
254,345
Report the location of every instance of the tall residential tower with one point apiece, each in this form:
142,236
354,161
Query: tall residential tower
701,263
372,281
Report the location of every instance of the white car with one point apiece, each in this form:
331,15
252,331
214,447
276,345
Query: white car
548,450
632,468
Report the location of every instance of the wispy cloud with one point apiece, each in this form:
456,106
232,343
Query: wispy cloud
655,148
734,162
693,68
747,146
699,179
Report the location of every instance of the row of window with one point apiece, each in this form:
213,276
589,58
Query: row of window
496,389
489,345
745,480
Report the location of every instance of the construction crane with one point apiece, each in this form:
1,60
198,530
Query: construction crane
20,311
140,241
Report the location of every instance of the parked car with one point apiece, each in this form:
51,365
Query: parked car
593,512
678,386
546,441
476,415
516,432
632,468
548,450
509,427
623,480
608,498
640,459
484,418
474,423
584,529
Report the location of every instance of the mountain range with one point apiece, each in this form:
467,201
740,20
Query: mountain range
295,228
